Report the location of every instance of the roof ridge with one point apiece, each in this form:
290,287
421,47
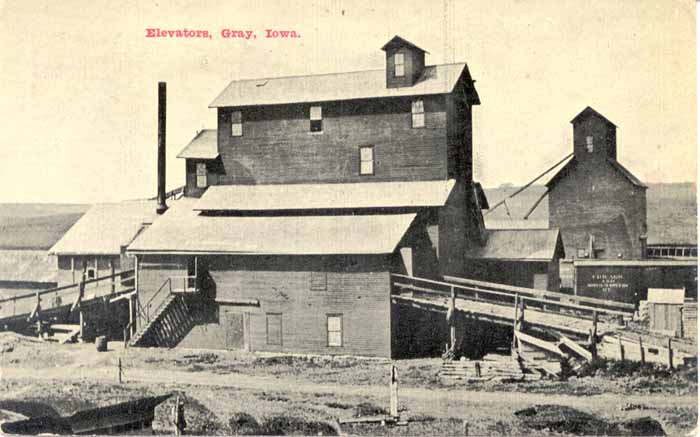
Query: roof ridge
334,73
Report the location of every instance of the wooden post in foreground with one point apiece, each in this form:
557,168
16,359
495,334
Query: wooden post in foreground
670,354
113,279
394,388
119,366
641,350
515,322
622,348
453,328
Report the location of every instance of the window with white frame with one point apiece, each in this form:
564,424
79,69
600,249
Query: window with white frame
366,160
589,144
417,113
399,65
334,327
201,171
315,119
236,124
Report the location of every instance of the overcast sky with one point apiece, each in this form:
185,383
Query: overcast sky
78,80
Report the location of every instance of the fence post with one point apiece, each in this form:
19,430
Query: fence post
113,283
394,388
641,350
515,322
670,354
622,348
453,328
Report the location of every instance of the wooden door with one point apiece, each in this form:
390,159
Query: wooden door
235,331
540,281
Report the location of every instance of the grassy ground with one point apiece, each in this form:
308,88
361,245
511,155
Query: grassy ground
307,394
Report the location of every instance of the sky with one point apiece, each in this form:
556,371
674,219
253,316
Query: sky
78,80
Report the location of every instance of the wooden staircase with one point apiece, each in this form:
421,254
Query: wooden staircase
167,326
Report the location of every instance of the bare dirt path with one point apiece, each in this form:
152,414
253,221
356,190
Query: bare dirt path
421,399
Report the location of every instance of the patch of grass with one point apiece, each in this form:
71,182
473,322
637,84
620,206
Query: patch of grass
368,409
338,405
271,397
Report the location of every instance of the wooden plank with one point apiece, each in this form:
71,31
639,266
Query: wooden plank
571,344
534,341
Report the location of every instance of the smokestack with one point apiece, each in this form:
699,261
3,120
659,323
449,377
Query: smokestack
160,209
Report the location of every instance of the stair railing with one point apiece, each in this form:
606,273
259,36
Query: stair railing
150,302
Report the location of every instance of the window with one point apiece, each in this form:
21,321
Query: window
90,273
335,330
316,119
589,144
366,160
236,124
274,329
417,114
201,171
318,281
398,65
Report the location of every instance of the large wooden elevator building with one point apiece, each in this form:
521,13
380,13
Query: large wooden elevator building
308,195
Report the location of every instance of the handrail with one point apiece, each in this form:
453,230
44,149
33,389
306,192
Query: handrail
66,287
501,294
540,293
149,303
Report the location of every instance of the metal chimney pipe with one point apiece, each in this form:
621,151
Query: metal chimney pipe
162,207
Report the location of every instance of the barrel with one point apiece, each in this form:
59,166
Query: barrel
101,343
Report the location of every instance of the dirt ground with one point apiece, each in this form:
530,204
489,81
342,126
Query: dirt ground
307,394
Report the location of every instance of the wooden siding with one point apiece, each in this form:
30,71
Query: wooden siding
589,200
71,273
214,169
414,62
277,147
604,139
154,270
357,288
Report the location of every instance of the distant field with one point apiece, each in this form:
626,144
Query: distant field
671,210
34,226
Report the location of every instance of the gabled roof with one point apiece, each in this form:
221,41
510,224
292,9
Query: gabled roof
203,146
436,79
184,230
519,244
587,112
105,228
571,164
361,195
398,41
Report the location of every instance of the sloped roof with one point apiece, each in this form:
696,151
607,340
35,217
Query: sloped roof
587,112
203,146
105,228
519,244
325,196
436,79
571,164
184,230
27,266
398,41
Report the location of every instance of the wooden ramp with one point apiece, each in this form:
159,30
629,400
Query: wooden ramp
56,310
570,320
496,303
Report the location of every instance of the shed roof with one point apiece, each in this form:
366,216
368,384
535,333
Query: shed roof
184,230
203,146
325,196
519,244
105,228
436,79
